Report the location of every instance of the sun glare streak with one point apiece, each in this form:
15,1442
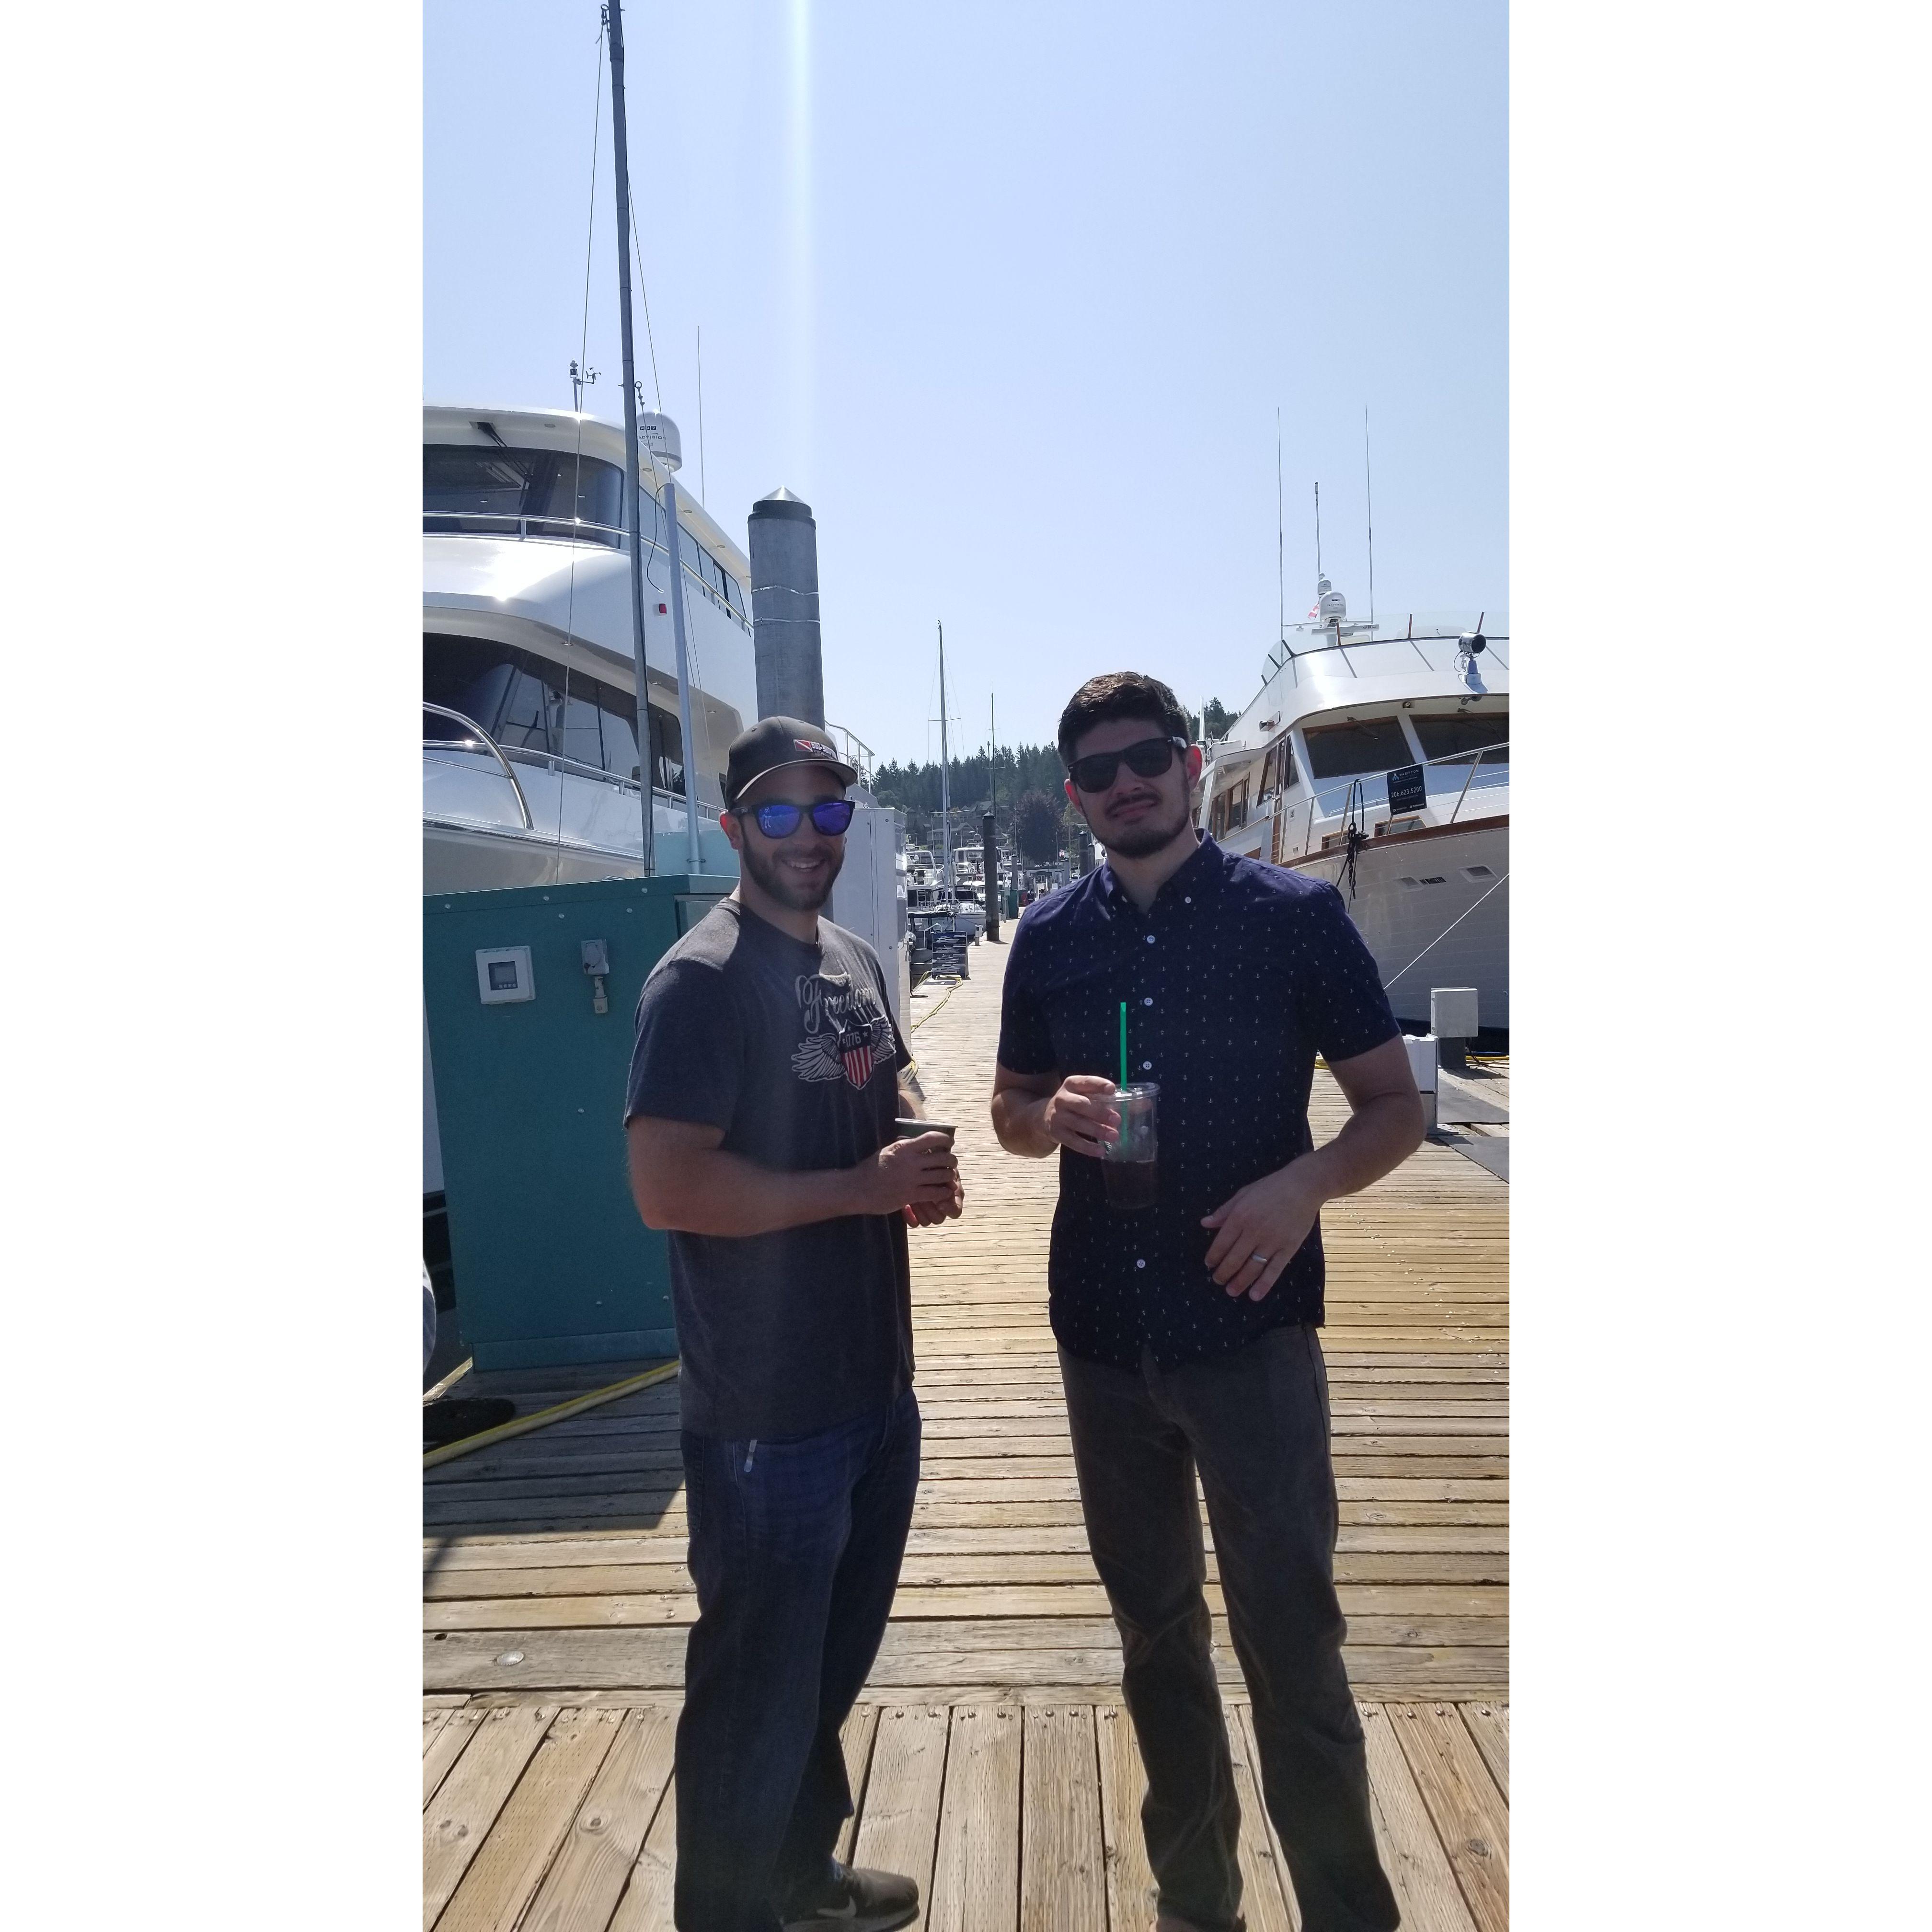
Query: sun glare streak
799,304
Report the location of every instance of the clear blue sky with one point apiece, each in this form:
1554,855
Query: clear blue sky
1010,295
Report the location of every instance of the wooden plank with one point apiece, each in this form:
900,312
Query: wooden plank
1418,1868
646,1905
1489,1725
504,1875
898,1825
581,1890
459,1818
1062,1858
434,1723
1132,1897
855,1739
975,1868
445,1748
1267,1895
971,1652
1470,1817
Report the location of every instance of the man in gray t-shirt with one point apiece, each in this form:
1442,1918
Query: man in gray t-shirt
765,1082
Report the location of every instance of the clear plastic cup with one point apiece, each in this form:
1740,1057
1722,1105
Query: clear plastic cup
1128,1163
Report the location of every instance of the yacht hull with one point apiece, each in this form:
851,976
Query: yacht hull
1428,890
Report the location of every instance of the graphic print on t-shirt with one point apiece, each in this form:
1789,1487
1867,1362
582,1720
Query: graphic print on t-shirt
847,1033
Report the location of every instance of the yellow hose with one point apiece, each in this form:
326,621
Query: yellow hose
521,1425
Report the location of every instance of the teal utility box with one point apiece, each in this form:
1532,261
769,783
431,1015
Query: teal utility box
552,1264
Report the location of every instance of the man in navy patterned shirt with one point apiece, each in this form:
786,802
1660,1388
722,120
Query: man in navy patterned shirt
1187,1331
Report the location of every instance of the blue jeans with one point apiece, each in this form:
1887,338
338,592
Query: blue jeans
795,1550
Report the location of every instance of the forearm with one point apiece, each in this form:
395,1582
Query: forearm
1019,1120
710,1192
1378,1136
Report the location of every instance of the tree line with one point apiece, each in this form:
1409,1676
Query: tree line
1021,785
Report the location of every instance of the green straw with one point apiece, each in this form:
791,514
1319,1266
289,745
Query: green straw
1123,1043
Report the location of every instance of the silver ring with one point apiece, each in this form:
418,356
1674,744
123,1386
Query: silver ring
1264,1259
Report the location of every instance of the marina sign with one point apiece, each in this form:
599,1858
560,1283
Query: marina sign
1408,790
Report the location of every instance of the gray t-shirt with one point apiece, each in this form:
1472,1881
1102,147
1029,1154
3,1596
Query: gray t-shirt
791,1050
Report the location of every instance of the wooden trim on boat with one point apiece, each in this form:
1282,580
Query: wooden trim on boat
1403,838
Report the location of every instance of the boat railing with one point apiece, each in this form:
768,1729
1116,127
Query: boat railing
483,740
509,757
464,523
1491,755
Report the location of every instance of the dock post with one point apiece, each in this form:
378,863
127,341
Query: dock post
1452,1019
1422,1064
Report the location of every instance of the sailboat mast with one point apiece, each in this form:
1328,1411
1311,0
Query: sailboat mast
633,475
1368,489
945,771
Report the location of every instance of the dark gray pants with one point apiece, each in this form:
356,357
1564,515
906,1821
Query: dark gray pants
1255,1424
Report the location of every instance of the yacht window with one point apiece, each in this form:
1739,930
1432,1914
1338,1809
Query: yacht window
582,740
467,676
1340,751
620,731
666,751
461,483
1230,809
525,723
1278,768
1462,733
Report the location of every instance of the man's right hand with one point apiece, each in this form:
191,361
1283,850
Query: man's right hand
1080,1113
921,1172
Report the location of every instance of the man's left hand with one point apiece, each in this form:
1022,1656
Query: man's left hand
923,1215
1261,1228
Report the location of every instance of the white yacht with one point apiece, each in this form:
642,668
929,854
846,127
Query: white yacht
532,770
933,906
1376,756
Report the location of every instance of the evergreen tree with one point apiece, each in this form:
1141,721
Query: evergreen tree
1036,828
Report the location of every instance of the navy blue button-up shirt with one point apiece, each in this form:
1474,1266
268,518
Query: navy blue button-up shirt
1238,975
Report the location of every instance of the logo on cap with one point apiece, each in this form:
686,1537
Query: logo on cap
817,750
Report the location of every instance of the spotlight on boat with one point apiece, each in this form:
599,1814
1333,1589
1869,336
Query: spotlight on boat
1472,644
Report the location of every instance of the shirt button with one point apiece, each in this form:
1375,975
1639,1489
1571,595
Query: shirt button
1140,1265
1187,899
1148,1001
1149,939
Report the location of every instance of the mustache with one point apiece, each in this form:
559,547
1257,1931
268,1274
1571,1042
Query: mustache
1114,805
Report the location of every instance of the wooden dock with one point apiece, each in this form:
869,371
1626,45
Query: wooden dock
991,1757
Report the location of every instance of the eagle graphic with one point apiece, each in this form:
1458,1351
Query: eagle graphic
847,1050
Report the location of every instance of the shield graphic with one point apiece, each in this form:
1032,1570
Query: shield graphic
855,1049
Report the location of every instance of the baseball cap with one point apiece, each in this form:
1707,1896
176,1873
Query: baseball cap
773,743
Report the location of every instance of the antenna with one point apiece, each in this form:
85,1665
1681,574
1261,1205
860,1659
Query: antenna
1318,531
700,413
1280,537
579,380
1368,485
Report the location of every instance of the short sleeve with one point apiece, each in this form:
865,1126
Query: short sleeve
1026,1039
688,1058
1338,989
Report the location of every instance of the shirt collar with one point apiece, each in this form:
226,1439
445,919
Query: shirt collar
1201,868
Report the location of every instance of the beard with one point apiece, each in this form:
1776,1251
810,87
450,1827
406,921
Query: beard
1145,836
773,878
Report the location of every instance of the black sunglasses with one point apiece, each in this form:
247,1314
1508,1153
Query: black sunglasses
779,819
1148,760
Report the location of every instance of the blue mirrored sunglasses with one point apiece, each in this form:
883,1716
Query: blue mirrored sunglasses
780,818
